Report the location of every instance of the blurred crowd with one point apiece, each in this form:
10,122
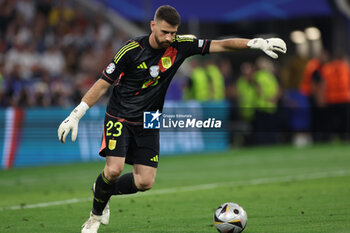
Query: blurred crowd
48,51
305,100
52,51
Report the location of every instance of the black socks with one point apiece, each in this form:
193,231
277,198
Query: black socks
125,185
104,189
102,193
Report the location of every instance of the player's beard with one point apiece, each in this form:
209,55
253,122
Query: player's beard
161,44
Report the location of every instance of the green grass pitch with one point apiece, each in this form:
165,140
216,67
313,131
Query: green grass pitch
283,189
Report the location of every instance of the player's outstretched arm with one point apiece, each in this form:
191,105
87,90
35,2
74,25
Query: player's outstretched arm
268,46
89,99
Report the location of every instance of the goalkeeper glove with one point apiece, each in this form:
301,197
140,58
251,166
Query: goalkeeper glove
71,123
269,46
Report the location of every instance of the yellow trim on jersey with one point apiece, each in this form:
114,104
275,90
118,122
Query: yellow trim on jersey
125,49
184,38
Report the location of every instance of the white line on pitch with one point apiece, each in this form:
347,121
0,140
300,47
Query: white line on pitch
302,177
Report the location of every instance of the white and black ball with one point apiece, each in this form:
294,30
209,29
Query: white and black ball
230,218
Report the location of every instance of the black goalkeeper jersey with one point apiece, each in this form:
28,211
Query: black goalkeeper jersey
141,75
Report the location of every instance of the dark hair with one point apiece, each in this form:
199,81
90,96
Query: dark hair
169,14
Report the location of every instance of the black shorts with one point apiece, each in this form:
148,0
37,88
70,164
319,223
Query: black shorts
123,139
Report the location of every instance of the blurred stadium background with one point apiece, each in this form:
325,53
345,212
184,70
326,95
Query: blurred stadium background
283,150
52,51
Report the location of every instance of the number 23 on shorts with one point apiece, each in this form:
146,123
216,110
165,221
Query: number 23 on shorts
114,129
118,128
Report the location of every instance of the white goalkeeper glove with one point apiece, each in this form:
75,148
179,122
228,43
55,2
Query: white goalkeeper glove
269,46
71,123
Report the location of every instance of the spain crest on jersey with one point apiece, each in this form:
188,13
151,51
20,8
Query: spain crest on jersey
111,144
166,62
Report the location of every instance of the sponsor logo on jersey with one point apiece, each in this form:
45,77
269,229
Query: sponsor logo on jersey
151,120
166,62
154,71
142,66
110,68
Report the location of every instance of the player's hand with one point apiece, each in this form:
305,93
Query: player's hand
71,123
269,46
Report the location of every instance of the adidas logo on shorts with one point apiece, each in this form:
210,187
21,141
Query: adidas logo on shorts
155,159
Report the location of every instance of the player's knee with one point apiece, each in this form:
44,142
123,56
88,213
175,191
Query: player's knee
112,172
145,186
143,183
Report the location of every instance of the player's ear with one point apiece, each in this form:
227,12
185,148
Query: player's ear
152,23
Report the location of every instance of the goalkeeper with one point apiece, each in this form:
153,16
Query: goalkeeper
140,73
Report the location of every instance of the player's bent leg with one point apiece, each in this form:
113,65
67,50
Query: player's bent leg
103,189
125,185
144,176
105,183
114,167
141,179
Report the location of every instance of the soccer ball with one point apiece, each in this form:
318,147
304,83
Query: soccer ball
230,218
